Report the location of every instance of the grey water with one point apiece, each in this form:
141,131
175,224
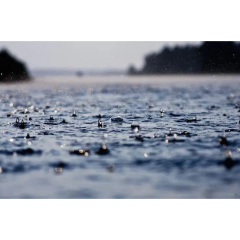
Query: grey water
165,143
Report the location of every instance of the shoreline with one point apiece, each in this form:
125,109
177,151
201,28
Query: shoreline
98,81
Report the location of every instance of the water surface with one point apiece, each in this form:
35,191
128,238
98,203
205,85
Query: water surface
139,164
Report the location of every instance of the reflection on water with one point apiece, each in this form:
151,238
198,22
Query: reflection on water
58,170
140,137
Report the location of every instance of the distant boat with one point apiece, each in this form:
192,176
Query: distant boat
79,73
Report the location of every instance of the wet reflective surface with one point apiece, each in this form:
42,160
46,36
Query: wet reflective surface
139,137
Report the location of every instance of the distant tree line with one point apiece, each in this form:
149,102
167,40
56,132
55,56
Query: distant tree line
12,69
209,57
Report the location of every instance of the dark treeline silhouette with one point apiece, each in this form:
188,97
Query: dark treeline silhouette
209,57
12,69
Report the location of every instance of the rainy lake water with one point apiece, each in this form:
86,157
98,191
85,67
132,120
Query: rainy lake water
59,140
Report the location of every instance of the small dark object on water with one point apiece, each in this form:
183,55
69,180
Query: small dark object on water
174,139
47,133
111,168
30,119
116,119
25,151
135,126
223,139
161,113
102,150
99,116
238,122
74,114
28,151
225,115
24,111
28,136
51,118
63,121
228,162
139,138
213,107
185,133
100,123
9,114
194,119
85,152
170,132
22,125
61,164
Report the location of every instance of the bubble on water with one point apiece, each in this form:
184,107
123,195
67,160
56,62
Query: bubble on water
29,143
136,130
145,155
63,145
11,139
161,113
105,135
104,146
229,154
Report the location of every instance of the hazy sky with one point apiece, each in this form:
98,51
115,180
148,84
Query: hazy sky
84,55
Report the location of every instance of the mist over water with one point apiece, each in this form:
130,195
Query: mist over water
166,145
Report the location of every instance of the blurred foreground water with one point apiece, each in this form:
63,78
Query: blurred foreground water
64,144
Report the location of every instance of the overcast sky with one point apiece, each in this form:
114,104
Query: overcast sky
84,55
